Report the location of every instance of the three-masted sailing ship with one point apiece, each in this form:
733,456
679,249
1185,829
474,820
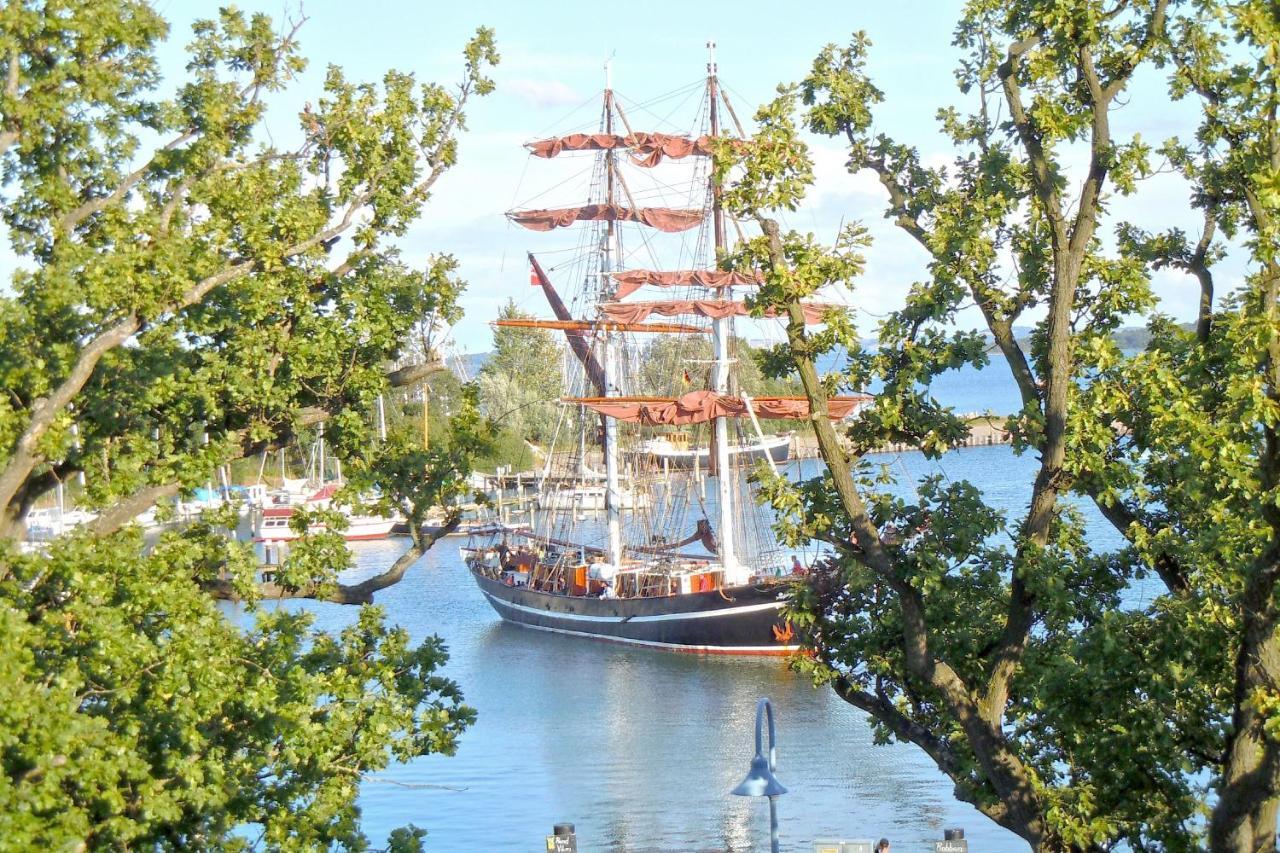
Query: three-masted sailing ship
630,576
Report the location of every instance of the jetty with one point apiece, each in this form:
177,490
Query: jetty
984,431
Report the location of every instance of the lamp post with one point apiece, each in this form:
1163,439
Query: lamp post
760,781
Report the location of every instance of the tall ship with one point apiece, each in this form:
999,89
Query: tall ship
679,556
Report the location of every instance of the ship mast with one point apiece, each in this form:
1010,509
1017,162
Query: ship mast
613,317
612,495
720,374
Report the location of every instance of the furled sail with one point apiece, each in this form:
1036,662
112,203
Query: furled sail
601,325
648,149
698,407
638,312
662,218
630,281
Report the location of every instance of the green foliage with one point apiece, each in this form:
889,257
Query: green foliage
1003,646
520,384
138,714
412,479
181,308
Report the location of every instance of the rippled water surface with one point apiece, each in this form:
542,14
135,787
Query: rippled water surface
640,748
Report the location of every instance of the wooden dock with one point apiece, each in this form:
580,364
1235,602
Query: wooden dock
984,431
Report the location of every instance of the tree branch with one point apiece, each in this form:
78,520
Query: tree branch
26,457
1042,176
1199,267
415,374
1124,520
1100,157
74,217
903,727
130,507
1006,773
10,135
360,593
1001,328
1155,30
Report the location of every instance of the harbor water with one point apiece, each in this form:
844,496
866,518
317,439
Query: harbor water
640,748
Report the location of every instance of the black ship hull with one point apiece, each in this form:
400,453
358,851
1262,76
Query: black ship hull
742,620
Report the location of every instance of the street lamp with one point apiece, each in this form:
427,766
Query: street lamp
760,781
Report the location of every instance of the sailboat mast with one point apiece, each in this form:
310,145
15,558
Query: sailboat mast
720,375
612,494
320,465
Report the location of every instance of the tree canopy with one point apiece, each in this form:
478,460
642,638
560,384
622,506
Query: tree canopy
189,293
1003,646
520,383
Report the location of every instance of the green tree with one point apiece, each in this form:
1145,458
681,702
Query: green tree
1198,484
676,364
520,384
1001,646
177,307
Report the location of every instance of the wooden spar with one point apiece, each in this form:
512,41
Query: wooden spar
601,325
717,211
724,96
635,312
703,406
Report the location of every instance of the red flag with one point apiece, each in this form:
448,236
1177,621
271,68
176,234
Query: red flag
534,281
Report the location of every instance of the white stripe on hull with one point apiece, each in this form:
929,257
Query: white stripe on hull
730,650
617,620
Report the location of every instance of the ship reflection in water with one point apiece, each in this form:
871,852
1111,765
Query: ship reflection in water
638,748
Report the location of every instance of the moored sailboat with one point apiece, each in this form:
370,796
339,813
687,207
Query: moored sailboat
272,521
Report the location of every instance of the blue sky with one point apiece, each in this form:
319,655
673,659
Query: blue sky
550,79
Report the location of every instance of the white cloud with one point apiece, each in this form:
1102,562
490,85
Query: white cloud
543,94
832,178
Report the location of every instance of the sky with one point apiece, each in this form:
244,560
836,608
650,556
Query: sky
550,80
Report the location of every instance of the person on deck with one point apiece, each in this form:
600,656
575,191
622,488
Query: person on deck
796,567
882,846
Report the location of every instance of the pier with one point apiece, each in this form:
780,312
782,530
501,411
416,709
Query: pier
984,431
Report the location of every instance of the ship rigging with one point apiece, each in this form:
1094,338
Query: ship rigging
641,584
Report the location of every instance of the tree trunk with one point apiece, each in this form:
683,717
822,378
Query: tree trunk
1244,819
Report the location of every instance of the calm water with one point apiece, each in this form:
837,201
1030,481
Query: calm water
640,748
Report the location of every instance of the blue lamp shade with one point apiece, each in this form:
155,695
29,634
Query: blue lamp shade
760,781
